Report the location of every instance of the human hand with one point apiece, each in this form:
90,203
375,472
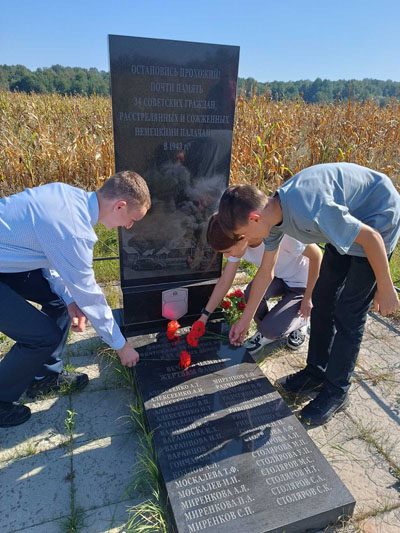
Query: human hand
129,357
78,319
305,308
386,302
238,332
198,328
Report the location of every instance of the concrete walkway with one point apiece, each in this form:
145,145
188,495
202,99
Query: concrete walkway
70,468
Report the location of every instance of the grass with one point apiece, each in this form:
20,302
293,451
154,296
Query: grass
74,523
395,266
69,422
106,246
384,508
151,515
376,375
375,440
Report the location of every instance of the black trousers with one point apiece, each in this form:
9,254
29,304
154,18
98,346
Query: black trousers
283,318
341,299
39,335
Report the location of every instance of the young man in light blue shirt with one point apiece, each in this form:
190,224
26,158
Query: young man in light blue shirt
356,211
46,256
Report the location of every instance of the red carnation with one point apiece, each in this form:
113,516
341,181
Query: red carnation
173,326
241,306
198,328
226,304
184,359
231,295
192,340
238,293
171,336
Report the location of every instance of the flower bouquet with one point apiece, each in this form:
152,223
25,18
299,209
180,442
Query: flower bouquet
233,306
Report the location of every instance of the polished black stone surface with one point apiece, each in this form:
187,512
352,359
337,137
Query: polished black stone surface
232,455
173,111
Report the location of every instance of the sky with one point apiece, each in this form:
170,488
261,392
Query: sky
279,39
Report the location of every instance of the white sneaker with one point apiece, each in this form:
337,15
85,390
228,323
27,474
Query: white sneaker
296,338
256,342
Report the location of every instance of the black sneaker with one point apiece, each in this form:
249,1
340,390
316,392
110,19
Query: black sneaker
302,383
67,381
296,339
13,414
324,407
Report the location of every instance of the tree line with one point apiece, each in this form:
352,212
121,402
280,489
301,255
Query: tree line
76,80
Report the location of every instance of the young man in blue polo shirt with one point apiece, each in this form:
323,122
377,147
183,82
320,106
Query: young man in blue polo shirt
356,211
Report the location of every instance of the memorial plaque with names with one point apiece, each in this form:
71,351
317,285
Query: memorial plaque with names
173,113
232,455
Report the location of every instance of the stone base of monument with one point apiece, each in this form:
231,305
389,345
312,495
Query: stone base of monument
232,455
142,310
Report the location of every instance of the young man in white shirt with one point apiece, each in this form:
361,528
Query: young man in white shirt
296,272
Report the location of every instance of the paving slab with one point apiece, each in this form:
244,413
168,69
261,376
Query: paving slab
372,414
104,470
44,430
108,519
101,413
360,468
378,366
55,526
34,490
101,371
82,344
383,523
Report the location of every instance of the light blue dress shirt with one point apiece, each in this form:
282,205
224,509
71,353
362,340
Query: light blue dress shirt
51,227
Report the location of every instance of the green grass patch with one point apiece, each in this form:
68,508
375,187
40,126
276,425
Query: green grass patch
106,246
395,266
151,515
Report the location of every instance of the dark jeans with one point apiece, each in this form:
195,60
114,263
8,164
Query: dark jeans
283,318
40,335
341,299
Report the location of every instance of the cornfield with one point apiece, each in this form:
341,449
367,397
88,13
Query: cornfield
47,138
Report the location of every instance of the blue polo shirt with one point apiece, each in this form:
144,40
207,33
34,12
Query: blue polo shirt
329,202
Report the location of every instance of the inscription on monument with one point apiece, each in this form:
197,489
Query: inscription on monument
232,455
173,112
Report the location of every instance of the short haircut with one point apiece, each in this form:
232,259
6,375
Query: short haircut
236,204
216,237
129,186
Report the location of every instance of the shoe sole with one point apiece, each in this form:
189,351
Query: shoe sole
294,348
254,350
51,390
342,407
20,421
301,393
259,348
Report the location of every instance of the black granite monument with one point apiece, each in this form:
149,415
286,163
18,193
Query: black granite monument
233,456
173,110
